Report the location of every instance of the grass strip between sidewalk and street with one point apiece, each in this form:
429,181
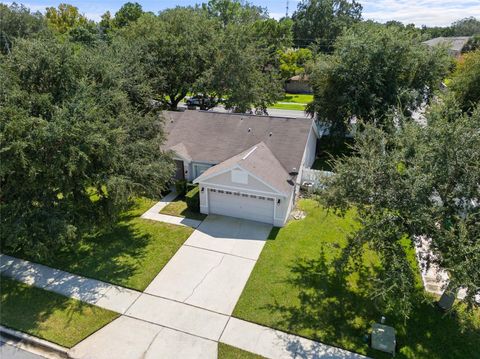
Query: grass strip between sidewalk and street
47,315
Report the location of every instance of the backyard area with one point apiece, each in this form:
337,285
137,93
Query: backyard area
48,315
130,254
295,288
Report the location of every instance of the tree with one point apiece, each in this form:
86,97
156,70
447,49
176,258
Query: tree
466,27
320,22
465,83
17,21
129,12
65,18
373,71
234,11
293,62
243,72
174,49
420,182
74,149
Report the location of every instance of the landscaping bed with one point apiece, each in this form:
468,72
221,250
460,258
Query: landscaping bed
48,315
130,254
295,288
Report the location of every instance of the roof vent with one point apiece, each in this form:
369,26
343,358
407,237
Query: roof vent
270,134
249,129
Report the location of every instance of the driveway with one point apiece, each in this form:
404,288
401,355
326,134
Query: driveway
211,269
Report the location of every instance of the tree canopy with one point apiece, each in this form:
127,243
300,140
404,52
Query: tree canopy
74,149
17,21
320,22
465,82
419,182
373,71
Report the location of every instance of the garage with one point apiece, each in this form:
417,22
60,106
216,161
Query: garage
241,205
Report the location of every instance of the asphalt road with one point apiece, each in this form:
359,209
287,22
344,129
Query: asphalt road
8,351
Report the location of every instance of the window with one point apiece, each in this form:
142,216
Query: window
228,192
253,196
213,190
199,168
220,191
260,197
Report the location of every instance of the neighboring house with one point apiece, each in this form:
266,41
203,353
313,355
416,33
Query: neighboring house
246,166
454,44
298,84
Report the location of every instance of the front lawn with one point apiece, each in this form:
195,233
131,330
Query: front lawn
130,254
228,352
178,207
48,315
294,288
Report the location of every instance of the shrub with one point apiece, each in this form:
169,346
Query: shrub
181,187
192,198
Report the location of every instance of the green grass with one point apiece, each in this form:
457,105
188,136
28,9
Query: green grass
293,102
228,352
289,106
48,315
178,207
297,98
294,288
130,254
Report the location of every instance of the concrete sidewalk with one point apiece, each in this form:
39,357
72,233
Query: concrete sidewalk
156,327
92,291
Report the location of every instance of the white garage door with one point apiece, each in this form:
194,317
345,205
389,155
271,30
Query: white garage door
241,205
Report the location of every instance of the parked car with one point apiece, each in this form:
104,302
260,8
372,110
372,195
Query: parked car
198,101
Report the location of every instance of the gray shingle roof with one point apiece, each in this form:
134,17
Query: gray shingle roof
455,44
261,162
214,137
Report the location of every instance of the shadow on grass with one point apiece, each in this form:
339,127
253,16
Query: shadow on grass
48,315
112,254
333,310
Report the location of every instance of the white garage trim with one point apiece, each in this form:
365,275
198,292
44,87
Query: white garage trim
241,204
240,189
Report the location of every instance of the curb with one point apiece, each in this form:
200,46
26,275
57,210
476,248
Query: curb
45,347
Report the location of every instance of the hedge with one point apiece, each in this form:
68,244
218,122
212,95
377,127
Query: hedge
192,198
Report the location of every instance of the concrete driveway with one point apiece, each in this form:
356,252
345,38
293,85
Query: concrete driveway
211,269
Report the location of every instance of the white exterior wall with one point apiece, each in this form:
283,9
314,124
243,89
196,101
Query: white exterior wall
223,181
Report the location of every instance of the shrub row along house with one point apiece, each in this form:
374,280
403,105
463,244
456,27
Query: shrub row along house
246,166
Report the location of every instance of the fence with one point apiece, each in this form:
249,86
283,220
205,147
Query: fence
315,177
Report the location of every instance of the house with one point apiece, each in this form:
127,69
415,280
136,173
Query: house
453,44
298,84
246,166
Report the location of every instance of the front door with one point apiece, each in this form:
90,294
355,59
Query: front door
180,171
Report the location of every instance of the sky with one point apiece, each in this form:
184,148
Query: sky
418,12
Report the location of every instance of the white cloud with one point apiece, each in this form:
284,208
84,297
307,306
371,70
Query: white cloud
420,12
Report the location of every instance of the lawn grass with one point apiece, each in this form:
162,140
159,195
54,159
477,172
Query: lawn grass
178,207
289,106
294,288
297,98
228,352
48,315
130,254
